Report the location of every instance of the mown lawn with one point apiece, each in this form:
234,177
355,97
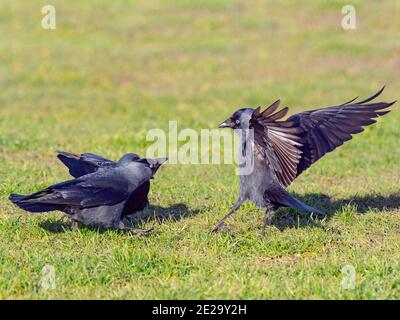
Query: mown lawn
113,70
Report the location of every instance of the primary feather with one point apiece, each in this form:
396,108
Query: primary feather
293,145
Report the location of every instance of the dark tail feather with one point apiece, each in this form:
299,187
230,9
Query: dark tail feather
297,204
14,198
283,198
27,203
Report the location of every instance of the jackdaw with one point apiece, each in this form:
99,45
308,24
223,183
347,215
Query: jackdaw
280,150
86,163
96,199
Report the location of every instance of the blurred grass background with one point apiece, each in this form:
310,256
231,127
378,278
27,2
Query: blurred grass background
113,70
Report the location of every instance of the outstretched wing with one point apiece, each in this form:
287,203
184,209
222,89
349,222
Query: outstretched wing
292,146
85,163
277,141
323,130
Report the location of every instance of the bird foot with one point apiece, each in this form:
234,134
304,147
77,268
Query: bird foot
319,215
263,233
75,226
138,231
142,232
220,227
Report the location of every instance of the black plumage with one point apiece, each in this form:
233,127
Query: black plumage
97,198
86,163
323,130
283,149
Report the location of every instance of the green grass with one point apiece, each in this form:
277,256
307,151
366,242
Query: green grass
110,72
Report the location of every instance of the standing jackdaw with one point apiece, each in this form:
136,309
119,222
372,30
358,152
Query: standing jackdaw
281,150
96,199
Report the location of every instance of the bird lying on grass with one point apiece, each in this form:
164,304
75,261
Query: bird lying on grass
86,163
99,198
281,150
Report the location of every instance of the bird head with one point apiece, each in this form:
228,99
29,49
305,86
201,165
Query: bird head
153,164
127,158
240,119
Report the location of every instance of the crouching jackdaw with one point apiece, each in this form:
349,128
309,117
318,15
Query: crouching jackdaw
280,150
86,163
97,199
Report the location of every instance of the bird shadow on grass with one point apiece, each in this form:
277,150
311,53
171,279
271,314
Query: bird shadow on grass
289,218
150,213
156,213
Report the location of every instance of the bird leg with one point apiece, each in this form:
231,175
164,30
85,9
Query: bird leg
267,219
75,225
221,224
139,231
130,218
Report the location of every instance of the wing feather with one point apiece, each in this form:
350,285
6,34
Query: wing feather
277,141
293,145
85,163
323,130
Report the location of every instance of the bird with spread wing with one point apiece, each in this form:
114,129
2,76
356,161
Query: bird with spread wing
282,149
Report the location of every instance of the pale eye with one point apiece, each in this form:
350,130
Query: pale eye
237,121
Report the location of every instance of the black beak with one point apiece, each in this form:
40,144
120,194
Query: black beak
157,164
160,161
228,123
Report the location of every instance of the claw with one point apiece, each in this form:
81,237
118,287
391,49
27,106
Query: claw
318,214
75,226
142,232
220,227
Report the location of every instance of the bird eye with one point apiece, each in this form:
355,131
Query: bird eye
237,121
